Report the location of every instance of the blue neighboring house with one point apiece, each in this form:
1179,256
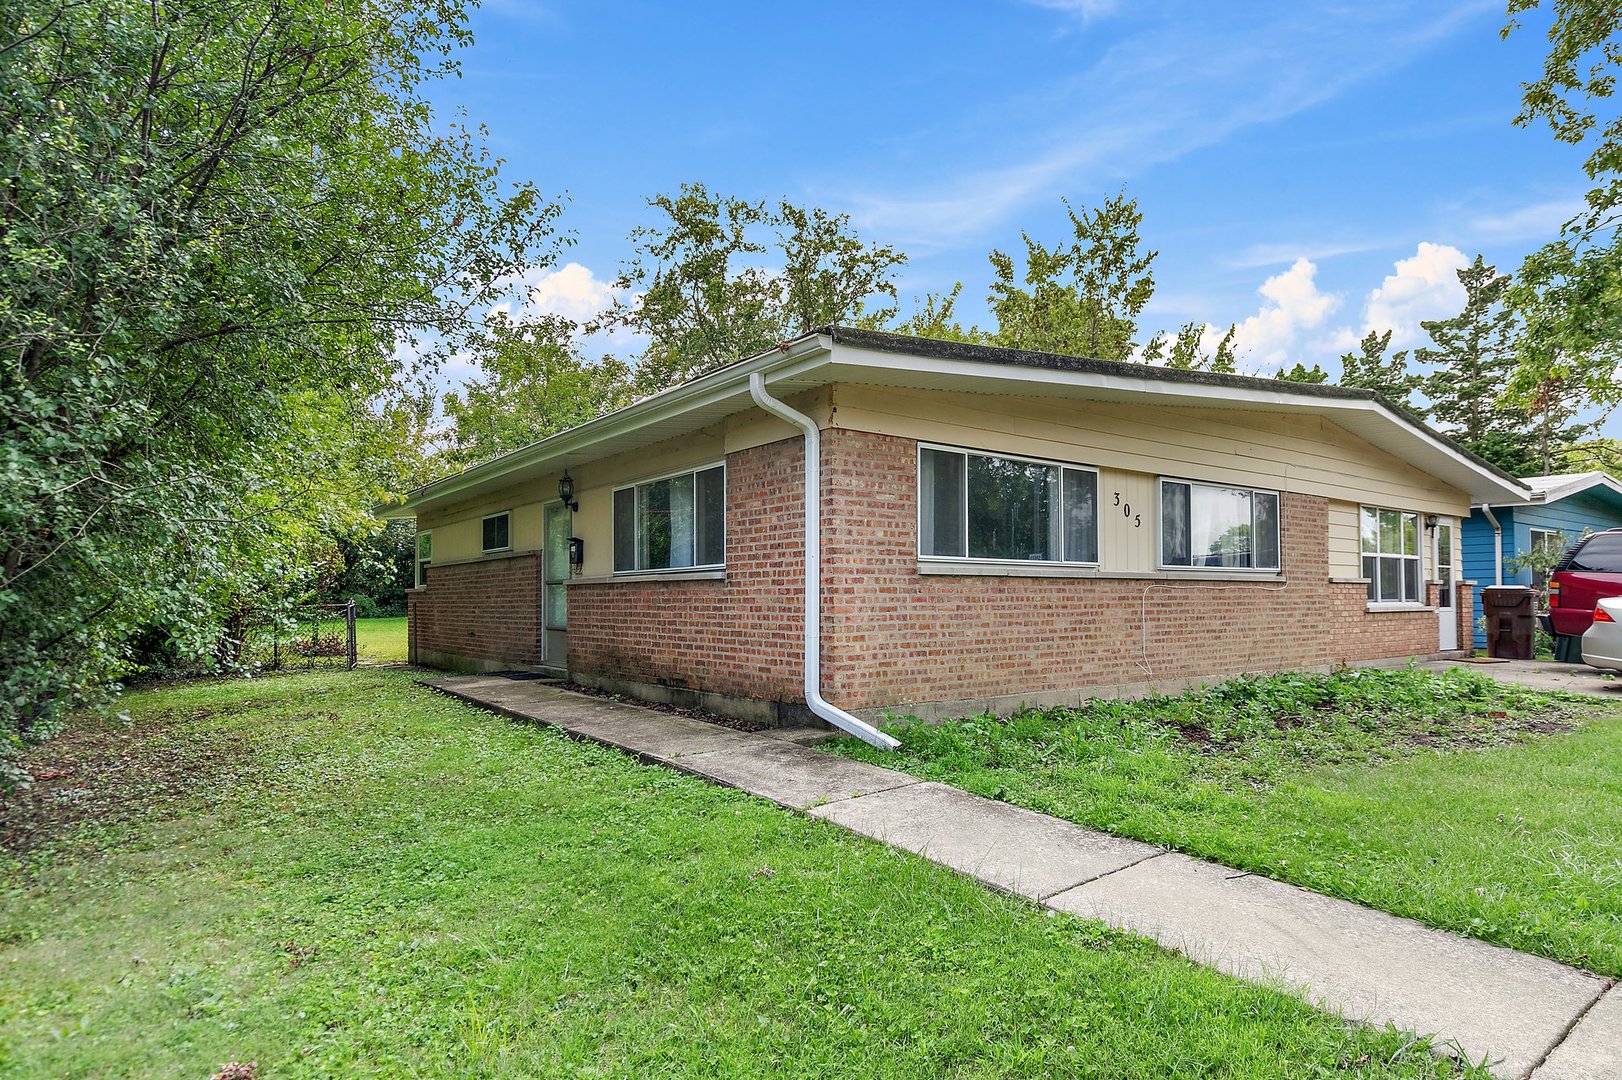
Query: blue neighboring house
1561,510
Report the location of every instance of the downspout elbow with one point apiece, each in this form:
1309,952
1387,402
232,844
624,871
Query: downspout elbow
819,705
1497,543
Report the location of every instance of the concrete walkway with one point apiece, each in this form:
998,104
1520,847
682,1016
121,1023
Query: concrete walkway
1531,1017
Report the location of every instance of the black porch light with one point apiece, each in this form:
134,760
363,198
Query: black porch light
566,491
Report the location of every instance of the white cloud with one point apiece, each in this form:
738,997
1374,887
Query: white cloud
572,291
1424,286
1086,9
1539,221
1292,307
1174,84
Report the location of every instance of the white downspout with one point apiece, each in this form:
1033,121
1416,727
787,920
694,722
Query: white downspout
820,705
1497,544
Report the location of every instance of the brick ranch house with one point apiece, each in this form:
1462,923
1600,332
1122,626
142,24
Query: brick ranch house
989,528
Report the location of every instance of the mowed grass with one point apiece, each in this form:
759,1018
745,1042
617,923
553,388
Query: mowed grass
368,879
381,641
1454,800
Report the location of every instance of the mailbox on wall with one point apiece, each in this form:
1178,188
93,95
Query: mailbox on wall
577,552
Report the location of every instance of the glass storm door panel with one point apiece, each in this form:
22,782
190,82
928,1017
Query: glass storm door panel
1446,612
555,589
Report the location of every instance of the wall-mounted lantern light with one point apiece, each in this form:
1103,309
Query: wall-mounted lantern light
1430,521
566,491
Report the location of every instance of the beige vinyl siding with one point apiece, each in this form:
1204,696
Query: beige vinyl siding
1127,543
1233,446
1345,542
457,526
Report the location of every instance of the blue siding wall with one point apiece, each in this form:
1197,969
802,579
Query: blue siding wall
1584,512
1476,537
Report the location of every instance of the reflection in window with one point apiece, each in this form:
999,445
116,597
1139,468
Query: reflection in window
980,506
1205,526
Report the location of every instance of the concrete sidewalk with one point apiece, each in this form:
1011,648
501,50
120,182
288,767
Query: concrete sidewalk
1530,1016
1541,675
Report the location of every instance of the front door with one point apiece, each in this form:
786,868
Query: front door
1446,611
554,588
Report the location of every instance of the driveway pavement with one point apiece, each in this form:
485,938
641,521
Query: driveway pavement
1542,675
1529,1016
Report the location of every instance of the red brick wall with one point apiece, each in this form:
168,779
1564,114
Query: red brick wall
741,636
894,636
487,611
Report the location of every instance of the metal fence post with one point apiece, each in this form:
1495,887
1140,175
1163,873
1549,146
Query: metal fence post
349,617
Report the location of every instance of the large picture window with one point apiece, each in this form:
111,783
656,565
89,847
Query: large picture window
673,523
1390,541
982,506
1211,527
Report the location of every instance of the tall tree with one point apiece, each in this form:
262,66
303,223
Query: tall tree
1473,355
1187,350
935,316
533,382
1369,368
1302,374
1082,296
220,220
1569,292
721,278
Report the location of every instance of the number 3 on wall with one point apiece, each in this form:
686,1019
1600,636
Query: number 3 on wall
1126,512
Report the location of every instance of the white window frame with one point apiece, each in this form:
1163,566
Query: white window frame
1376,601
918,524
1160,528
613,521
422,564
508,514
1533,533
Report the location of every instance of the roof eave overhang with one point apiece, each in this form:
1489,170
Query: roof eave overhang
821,358
718,390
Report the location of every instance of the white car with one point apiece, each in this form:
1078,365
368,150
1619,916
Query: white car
1602,644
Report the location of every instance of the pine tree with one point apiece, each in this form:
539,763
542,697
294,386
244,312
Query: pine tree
1369,368
1473,354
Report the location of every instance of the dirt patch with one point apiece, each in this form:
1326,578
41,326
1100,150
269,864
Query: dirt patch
674,710
1495,728
107,772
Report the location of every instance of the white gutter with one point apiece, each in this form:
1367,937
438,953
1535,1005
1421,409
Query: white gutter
1497,545
820,705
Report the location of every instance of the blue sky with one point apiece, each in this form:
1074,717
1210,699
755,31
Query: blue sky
1306,170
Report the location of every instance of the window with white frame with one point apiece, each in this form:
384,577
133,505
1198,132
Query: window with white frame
1215,527
497,530
672,523
1390,540
973,505
1546,548
425,555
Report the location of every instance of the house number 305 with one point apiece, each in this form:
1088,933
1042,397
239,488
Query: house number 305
1126,512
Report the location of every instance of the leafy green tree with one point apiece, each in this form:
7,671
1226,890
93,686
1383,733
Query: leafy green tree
1186,352
1569,292
1082,297
534,382
1369,368
221,223
1302,374
935,316
375,569
722,278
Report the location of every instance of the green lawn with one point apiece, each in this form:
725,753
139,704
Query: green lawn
1442,798
342,874
381,641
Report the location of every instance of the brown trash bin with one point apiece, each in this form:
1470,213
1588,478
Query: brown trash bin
1511,621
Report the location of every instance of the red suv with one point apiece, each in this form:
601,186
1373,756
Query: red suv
1590,571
